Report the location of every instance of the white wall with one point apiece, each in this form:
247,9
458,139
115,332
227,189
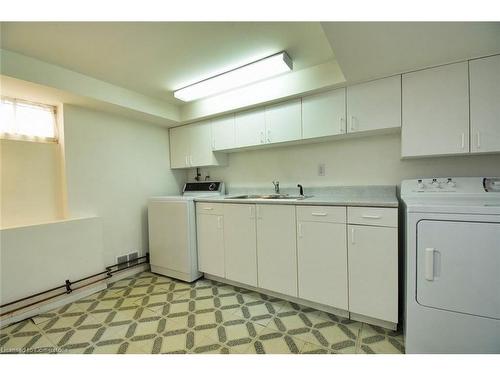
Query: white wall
355,161
113,164
31,184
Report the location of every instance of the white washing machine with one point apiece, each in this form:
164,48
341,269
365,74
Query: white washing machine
172,230
452,291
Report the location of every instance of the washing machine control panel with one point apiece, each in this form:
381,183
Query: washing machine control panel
436,185
452,187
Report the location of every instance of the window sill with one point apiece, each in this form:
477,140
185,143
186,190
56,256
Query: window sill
26,138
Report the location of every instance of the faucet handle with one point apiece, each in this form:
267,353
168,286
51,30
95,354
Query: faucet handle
301,190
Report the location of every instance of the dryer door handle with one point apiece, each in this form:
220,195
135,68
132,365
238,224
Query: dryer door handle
429,264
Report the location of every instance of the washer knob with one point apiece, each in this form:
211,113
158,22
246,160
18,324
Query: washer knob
451,183
420,184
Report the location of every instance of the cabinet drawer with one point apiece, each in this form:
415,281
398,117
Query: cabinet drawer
384,217
321,213
209,208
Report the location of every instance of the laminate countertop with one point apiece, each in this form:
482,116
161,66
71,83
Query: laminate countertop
365,196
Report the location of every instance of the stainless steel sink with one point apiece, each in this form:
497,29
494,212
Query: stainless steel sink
271,196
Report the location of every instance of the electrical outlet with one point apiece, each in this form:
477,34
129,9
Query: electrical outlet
122,259
132,258
321,169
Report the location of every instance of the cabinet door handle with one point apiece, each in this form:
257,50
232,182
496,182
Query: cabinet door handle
429,264
251,212
319,214
219,222
191,160
213,143
478,139
300,230
463,140
371,216
186,161
352,236
208,208
261,136
268,135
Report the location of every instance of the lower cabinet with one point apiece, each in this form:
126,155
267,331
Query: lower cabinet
373,271
240,243
322,258
344,258
276,248
210,237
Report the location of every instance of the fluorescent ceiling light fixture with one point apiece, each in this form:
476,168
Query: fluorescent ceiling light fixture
255,71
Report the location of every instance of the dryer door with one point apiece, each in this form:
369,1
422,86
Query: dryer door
458,266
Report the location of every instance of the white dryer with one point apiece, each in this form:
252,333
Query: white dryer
452,283
172,230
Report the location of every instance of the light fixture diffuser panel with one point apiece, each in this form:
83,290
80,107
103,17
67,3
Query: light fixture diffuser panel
253,72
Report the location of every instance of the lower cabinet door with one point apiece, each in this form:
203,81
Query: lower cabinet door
373,271
240,243
276,248
210,244
322,263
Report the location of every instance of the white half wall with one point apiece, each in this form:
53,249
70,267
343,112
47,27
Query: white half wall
367,160
35,258
113,164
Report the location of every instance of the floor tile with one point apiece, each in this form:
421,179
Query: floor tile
273,342
257,311
60,311
24,337
149,313
314,349
380,341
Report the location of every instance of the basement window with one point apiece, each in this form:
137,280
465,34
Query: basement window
27,121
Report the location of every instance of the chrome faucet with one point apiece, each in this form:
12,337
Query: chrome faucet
276,187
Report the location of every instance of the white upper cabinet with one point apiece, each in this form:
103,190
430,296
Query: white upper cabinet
324,114
223,133
250,128
191,146
485,104
179,147
436,111
283,122
273,124
374,105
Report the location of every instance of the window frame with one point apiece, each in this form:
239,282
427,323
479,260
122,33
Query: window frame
32,138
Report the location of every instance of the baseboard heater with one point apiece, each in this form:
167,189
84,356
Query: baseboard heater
71,286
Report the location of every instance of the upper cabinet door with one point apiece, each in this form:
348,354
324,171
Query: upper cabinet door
284,122
436,111
374,105
223,133
201,146
485,104
250,127
324,114
179,147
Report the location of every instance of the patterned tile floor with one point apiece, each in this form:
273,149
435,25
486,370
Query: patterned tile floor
149,313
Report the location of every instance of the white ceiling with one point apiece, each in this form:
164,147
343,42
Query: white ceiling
156,58
366,50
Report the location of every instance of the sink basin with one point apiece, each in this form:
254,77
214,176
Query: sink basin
271,196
